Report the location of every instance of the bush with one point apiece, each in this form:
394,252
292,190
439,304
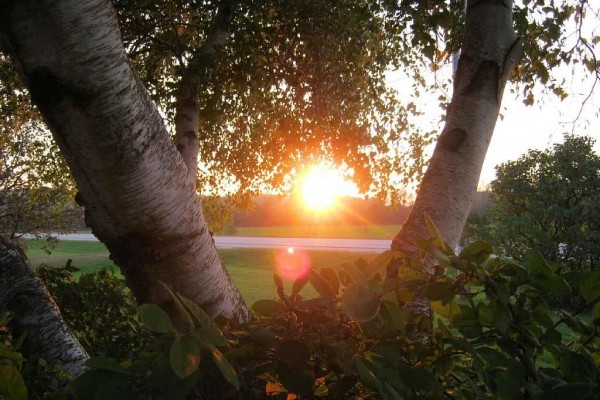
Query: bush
99,309
490,334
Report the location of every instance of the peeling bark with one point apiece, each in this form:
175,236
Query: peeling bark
490,51
133,181
35,313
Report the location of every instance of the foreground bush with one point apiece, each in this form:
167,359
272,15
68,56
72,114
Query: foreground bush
491,335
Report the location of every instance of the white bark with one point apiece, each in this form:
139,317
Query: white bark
490,51
132,179
35,313
186,106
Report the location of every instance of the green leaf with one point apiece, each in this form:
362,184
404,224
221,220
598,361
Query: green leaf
439,291
360,302
12,385
450,311
202,318
397,316
365,374
579,391
181,310
106,364
596,314
299,284
321,285
226,368
98,384
268,308
381,261
439,241
295,380
210,336
331,276
155,318
478,251
589,286
294,353
264,337
184,356
432,249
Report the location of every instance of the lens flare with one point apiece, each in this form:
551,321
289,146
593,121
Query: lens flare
292,263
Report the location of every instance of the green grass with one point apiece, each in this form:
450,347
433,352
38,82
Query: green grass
251,269
322,231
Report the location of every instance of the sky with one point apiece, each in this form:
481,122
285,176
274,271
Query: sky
520,127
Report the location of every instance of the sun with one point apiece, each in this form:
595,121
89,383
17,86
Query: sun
320,188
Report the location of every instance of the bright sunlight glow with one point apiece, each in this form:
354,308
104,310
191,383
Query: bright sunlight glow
321,186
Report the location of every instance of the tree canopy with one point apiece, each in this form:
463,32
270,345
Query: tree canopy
296,82
548,200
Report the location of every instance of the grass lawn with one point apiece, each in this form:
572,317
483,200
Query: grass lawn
321,231
251,269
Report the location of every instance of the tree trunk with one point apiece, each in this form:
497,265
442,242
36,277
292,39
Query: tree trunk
133,182
35,313
186,97
489,53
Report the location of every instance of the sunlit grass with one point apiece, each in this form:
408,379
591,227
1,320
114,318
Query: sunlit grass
251,269
321,231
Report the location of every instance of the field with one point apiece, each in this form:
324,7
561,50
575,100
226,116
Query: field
251,269
321,231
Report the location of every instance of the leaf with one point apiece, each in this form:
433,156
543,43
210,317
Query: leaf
202,318
331,276
298,381
478,251
155,318
181,310
450,311
279,286
299,284
12,385
432,249
106,364
268,308
211,336
321,285
579,391
596,314
293,353
360,302
439,291
589,286
397,317
355,272
365,374
381,261
184,356
437,236
226,368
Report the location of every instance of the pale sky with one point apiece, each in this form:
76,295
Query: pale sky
522,127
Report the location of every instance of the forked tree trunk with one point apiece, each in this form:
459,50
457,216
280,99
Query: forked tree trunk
133,181
35,313
489,53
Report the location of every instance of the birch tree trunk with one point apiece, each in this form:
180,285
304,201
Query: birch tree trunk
186,97
133,182
490,51
35,313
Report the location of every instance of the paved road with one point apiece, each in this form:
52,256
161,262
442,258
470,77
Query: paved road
233,242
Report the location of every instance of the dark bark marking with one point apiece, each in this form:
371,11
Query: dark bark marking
47,90
191,135
451,139
485,81
477,3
